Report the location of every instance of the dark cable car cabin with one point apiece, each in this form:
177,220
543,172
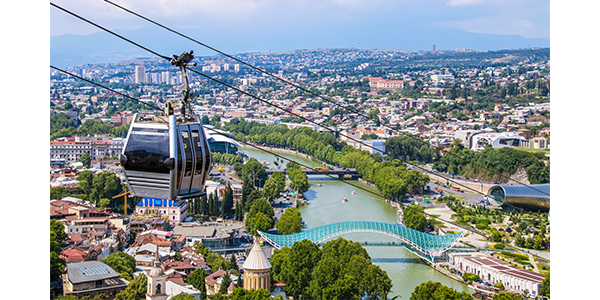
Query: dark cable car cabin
166,159
167,156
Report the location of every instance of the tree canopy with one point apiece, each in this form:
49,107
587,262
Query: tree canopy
340,270
290,222
122,263
435,290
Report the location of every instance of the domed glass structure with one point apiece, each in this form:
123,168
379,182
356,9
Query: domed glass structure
534,197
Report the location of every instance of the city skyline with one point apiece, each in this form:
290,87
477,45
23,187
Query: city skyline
275,26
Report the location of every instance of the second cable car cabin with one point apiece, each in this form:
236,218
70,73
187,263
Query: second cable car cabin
164,158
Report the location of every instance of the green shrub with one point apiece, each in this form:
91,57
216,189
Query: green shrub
499,246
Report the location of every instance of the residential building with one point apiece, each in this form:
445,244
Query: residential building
380,84
71,151
213,235
93,228
91,278
538,143
140,74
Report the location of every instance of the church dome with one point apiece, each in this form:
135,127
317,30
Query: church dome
156,271
257,260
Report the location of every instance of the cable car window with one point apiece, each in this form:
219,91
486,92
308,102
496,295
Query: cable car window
188,152
207,157
199,145
146,151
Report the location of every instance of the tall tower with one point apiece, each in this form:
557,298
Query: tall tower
140,74
257,269
157,281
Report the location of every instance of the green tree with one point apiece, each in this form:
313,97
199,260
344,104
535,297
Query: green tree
57,238
227,202
255,172
196,279
85,179
183,296
260,216
258,222
545,288
507,296
105,185
470,278
290,222
296,268
85,159
435,290
122,263
414,218
135,290
299,180
273,186
226,281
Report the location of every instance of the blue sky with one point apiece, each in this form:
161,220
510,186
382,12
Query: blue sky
529,18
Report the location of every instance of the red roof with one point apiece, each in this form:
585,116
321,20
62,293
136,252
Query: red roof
71,255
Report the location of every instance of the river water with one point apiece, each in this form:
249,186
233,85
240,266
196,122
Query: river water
404,268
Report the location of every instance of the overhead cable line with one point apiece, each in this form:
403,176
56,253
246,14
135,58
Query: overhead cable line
346,107
280,108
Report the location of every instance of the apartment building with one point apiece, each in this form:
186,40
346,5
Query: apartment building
71,151
379,84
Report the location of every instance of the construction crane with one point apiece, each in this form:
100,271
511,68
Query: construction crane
124,193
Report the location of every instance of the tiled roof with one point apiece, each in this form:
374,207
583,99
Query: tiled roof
257,260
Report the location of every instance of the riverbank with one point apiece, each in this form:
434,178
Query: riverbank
405,269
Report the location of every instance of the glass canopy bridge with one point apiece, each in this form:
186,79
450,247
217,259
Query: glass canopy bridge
426,246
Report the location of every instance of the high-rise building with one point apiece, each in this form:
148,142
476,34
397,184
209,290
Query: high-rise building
140,74
166,77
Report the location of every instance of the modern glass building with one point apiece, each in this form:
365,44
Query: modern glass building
534,197
221,142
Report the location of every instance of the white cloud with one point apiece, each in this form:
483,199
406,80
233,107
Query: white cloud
463,2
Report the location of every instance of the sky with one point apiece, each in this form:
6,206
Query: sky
530,19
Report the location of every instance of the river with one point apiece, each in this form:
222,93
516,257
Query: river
404,268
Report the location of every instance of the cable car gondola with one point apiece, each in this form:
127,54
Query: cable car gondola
167,156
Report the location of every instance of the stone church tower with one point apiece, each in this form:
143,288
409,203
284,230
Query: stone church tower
157,281
257,269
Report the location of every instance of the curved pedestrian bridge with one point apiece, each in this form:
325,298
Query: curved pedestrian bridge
425,244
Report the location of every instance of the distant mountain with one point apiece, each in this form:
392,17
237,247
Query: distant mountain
73,50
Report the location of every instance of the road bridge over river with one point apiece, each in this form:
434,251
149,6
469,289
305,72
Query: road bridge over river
333,171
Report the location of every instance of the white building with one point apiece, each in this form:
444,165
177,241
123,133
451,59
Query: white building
161,207
479,141
493,270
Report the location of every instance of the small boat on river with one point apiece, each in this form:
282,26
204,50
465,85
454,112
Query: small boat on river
344,200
